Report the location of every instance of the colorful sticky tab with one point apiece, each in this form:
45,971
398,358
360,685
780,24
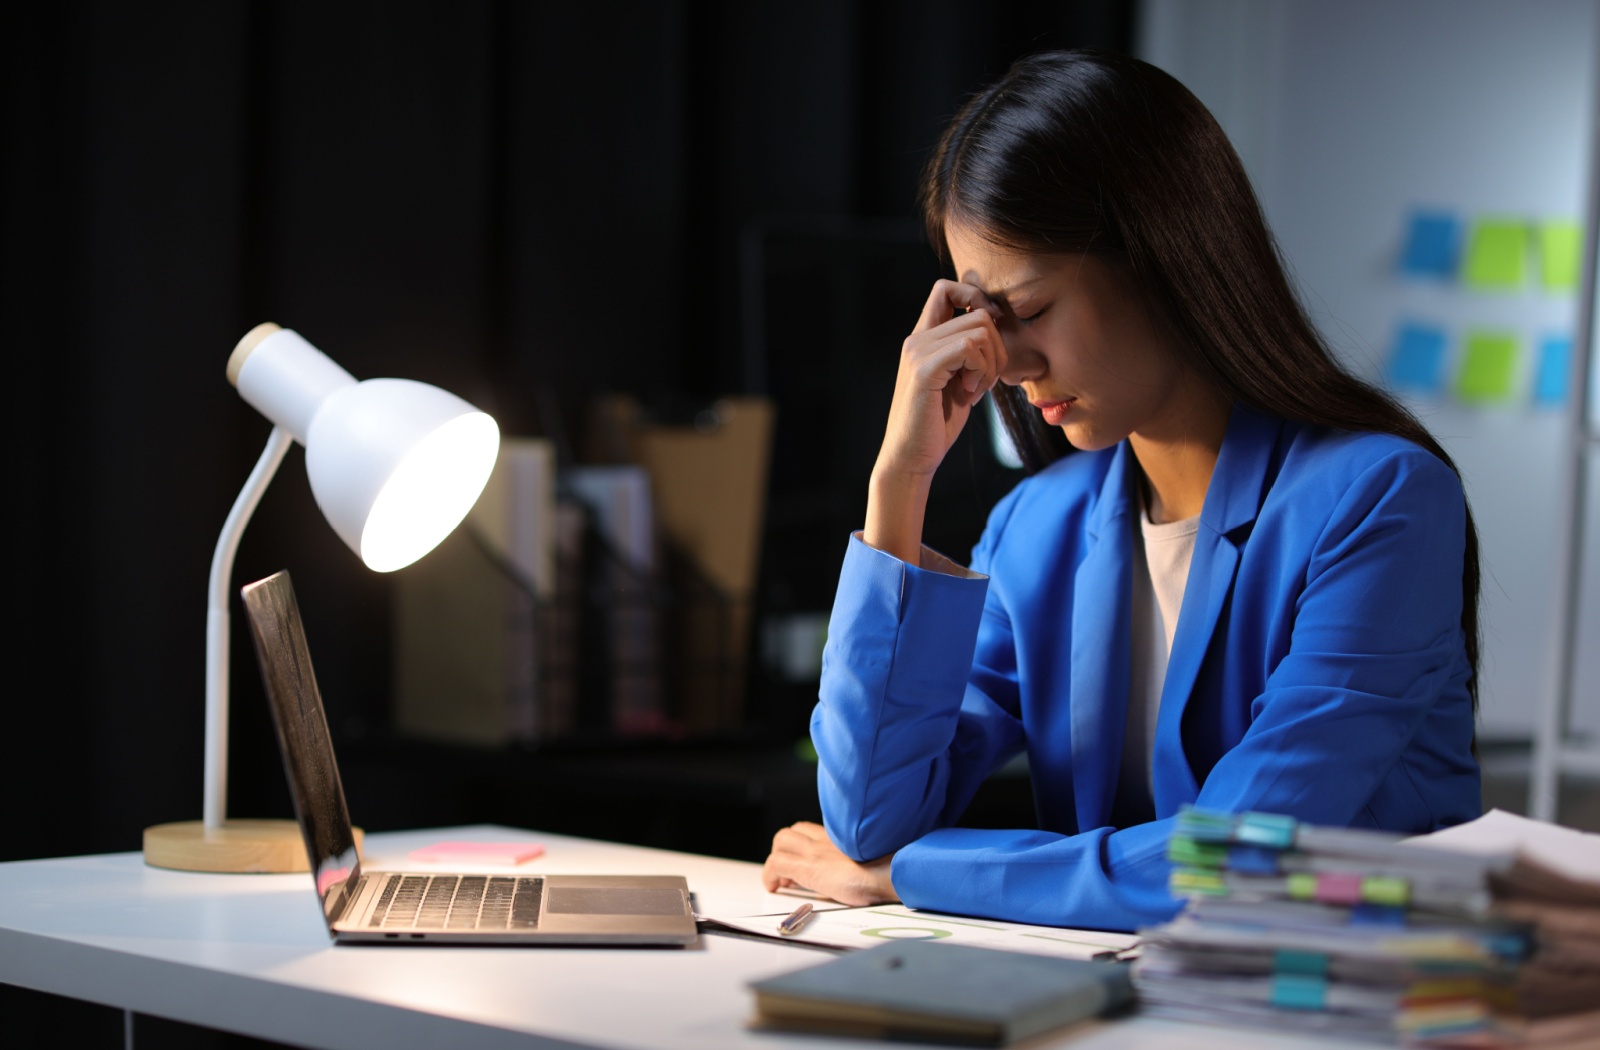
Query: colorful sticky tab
1298,991
1416,361
1338,887
1514,946
1385,889
1555,366
1204,825
1560,255
1195,882
1433,242
1377,915
1265,829
1182,849
1488,363
1463,995
1253,860
1288,960
1302,886
1497,255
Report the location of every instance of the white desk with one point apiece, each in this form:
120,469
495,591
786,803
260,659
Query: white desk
249,954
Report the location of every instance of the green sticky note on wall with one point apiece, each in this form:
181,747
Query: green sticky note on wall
1488,365
1560,255
1497,255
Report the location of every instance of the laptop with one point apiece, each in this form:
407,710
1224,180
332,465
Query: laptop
430,908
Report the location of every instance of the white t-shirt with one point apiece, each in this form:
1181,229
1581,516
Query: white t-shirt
1161,557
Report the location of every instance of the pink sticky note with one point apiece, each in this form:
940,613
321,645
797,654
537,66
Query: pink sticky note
1339,888
477,853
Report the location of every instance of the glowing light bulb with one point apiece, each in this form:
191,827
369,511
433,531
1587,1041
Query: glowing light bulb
430,492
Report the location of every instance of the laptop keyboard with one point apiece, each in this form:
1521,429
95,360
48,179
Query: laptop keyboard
458,902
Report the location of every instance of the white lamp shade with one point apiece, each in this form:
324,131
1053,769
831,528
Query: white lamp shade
396,465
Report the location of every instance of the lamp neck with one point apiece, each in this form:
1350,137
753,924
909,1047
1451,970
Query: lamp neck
287,380
217,624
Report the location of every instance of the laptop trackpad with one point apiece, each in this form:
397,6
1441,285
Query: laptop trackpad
619,900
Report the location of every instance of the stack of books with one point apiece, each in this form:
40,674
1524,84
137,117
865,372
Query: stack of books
1358,933
1552,885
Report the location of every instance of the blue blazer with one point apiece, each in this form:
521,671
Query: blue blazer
1319,670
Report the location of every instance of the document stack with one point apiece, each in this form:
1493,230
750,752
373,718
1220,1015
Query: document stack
1357,933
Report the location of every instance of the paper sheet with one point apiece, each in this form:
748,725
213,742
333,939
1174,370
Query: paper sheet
872,925
1575,854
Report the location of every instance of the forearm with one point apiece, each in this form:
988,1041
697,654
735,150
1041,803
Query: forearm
896,507
895,671
1101,879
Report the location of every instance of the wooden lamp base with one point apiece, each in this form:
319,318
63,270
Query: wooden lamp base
258,846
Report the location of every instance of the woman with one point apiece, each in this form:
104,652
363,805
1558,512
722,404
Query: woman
1253,588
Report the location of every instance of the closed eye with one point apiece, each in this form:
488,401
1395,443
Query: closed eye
1025,321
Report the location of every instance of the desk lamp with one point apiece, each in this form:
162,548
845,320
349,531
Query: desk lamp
394,465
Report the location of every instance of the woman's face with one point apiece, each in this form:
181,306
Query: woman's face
1081,342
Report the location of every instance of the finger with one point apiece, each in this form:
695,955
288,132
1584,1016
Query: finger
971,356
971,298
809,829
783,870
777,871
998,358
972,320
790,842
994,356
977,323
949,296
938,309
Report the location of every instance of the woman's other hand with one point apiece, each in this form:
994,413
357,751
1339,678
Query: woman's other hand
951,359
803,855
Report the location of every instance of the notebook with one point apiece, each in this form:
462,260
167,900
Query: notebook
429,908
949,993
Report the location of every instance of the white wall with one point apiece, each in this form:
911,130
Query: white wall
1350,114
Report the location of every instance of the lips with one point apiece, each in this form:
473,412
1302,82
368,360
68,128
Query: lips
1054,411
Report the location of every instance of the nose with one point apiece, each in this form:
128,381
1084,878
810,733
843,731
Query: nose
1022,363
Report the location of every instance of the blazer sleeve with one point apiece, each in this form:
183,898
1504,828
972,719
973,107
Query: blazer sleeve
918,698
1375,642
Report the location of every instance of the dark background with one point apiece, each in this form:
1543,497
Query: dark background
524,203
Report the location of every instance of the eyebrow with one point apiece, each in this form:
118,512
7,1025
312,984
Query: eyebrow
1003,296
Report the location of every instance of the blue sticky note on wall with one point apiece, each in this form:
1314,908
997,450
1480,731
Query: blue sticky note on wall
1555,362
1432,246
1416,360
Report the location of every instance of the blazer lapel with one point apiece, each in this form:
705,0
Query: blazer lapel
1233,500
1102,595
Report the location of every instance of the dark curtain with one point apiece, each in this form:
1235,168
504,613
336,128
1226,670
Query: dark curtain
521,202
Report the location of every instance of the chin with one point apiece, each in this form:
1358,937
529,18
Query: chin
1087,438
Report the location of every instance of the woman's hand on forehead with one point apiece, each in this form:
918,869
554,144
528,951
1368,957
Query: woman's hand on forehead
951,359
955,352
950,299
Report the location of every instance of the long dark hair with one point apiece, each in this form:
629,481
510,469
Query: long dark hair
1093,152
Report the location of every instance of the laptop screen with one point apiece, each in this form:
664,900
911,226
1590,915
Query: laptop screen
303,738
